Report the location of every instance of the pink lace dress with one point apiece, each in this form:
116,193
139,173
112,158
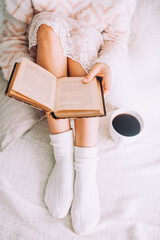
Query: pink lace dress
80,41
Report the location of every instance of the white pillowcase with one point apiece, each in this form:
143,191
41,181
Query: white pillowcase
15,117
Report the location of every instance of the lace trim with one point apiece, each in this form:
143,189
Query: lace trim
73,37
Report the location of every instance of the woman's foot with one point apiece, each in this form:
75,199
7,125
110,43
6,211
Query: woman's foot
85,211
59,189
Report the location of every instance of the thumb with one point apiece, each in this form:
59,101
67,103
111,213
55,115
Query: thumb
89,77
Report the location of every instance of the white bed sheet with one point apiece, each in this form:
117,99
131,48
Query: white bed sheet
128,180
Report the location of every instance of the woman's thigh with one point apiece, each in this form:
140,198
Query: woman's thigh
74,68
50,56
50,52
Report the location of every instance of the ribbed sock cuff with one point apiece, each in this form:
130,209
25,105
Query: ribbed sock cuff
63,137
63,145
86,152
86,159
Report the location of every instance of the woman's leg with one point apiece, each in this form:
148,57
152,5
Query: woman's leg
86,129
59,189
50,56
85,209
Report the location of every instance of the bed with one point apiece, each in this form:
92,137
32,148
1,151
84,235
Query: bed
128,176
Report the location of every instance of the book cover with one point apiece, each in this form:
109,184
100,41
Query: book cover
65,97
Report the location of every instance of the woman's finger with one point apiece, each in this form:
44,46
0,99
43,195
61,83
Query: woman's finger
94,71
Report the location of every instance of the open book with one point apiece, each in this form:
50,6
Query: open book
64,97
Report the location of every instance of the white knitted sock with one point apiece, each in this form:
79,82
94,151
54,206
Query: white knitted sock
85,211
59,189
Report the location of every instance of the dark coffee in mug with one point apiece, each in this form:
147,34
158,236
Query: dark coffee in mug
126,125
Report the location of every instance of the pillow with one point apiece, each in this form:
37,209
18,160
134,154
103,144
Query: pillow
15,117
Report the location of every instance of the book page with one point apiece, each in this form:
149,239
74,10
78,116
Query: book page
73,94
36,83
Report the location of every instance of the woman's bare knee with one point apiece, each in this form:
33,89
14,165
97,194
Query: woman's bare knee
44,32
44,28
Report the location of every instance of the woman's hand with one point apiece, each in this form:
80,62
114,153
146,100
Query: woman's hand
100,70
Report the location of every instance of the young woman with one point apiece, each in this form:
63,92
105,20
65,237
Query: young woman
70,38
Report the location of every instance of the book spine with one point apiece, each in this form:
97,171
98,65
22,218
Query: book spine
104,107
54,116
14,67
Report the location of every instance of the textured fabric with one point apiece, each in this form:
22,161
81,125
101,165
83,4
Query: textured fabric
79,41
128,182
85,210
111,18
15,118
59,189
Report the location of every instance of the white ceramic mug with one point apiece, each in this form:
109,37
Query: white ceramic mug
119,138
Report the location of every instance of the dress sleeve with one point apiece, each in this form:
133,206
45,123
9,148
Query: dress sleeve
13,40
116,36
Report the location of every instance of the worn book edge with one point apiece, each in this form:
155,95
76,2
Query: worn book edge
103,103
9,82
7,88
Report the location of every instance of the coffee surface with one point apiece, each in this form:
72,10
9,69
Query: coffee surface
126,124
